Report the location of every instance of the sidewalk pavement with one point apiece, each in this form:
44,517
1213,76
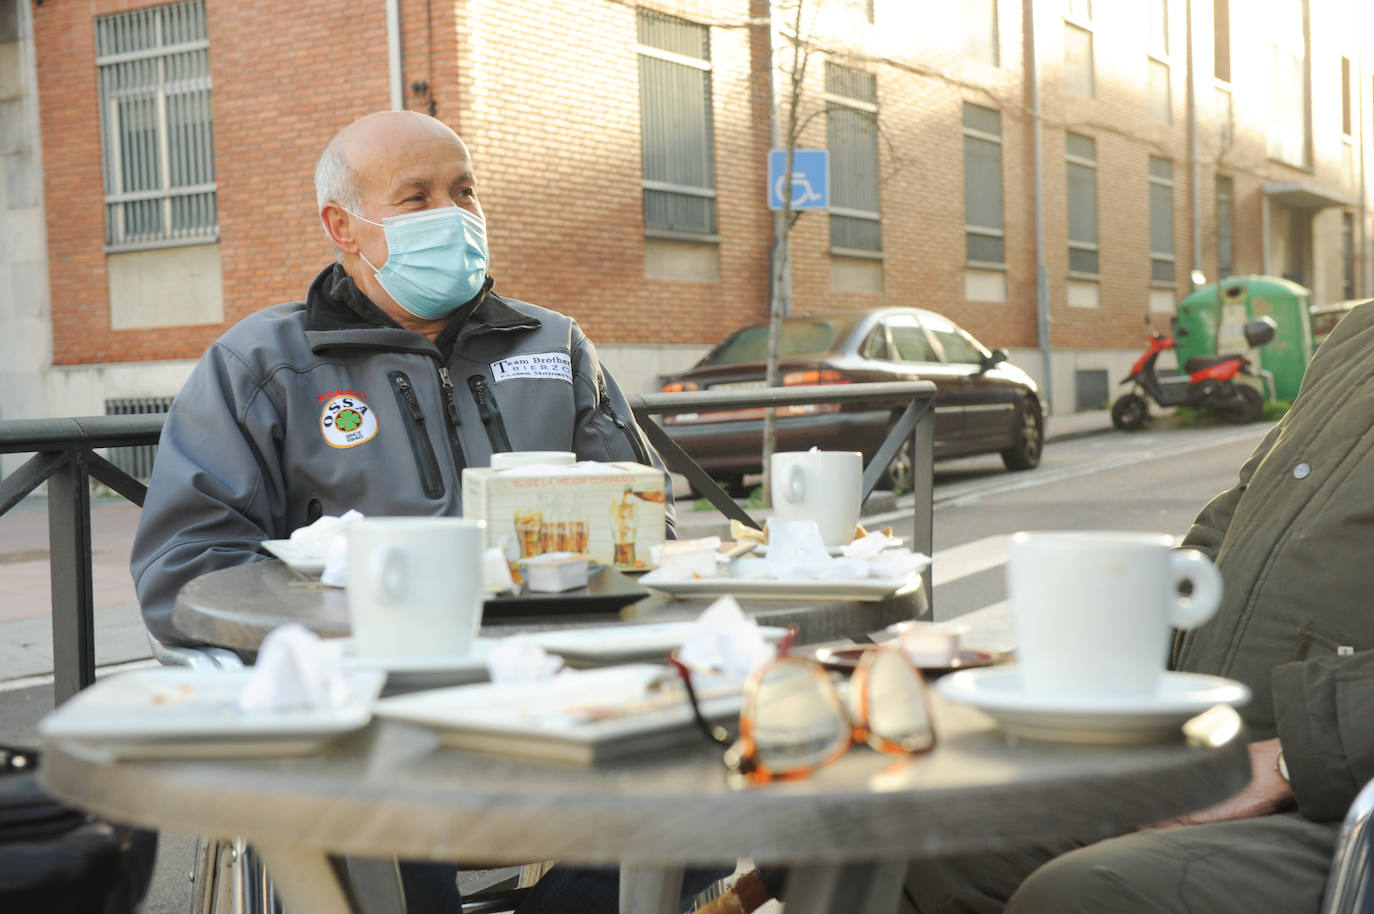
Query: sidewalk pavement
26,608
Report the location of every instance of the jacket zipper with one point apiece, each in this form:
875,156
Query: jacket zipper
604,403
1309,636
454,423
431,480
490,413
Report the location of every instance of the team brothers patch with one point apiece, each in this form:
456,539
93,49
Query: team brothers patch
346,419
551,366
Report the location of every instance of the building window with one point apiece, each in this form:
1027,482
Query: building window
1345,96
983,185
1078,59
157,133
1221,40
1082,10
1289,96
1158,99
1158,11
1161,220
978,20
851,135
676,138
1081,155
1348,254
1225,219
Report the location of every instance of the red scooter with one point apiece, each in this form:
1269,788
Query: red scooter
1208,382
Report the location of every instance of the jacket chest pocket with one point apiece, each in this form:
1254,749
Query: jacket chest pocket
1314,639
417,434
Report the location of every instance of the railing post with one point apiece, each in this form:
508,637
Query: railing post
73,600
923,512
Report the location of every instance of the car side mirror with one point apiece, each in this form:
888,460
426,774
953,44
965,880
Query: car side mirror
995,358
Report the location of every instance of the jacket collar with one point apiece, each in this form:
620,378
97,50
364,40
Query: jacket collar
339,314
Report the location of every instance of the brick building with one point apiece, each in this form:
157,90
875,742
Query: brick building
159,159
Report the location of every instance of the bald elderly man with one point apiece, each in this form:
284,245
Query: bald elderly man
400,367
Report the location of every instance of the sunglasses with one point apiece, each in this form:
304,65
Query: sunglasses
797,717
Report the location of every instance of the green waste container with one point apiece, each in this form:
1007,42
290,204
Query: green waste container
1214,316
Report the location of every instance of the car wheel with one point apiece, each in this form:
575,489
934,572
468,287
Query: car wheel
1024,454
1245,407
1130,412
900,474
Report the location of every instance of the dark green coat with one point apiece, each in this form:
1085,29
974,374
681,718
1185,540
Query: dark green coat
1294,540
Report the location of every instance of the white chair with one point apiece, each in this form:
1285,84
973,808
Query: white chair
1350,887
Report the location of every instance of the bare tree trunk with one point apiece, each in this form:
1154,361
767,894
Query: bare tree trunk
780,302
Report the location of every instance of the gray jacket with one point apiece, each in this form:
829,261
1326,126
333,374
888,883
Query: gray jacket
1290,540
306,409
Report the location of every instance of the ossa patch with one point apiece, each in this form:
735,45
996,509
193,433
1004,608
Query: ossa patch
347,420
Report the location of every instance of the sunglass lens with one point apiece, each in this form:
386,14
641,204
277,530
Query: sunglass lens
797,719
897,711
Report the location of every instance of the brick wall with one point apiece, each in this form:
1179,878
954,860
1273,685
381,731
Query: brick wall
545,92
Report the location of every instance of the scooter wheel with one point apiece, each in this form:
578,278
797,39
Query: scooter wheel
1130,412
1247,406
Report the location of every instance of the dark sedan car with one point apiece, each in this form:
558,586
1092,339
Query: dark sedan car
983,404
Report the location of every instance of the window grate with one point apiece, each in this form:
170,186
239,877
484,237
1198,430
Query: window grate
852,138
136,461
676,130
156,126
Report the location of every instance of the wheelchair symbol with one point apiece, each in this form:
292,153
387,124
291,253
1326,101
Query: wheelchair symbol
801,189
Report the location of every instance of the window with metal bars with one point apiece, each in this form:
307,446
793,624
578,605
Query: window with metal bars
137,461
983,185
676,136
157,133
1080,153
1161,183
851,135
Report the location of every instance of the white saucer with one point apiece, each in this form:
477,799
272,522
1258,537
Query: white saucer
424,672
1091,718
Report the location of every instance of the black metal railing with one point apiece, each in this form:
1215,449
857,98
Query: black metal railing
64,456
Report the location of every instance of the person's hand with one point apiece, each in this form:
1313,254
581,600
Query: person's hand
1267,792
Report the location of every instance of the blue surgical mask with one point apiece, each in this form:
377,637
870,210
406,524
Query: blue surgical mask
436,259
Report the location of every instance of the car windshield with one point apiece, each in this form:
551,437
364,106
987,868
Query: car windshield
798,338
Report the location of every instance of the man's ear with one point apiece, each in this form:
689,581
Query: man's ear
339,227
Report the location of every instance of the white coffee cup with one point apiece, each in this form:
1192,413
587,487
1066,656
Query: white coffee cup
414,585
1092,611
504,460
824,486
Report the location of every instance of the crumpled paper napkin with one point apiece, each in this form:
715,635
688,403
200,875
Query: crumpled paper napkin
796,552
328,536
726,640
296,670
518,658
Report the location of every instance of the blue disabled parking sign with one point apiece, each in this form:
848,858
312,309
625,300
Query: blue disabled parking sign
810,178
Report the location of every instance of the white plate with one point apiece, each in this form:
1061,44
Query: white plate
179,713
1091,718
526,718
625,643
853,589
308,561
423,672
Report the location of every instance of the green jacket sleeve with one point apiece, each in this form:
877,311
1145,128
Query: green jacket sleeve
1209,528
1325,715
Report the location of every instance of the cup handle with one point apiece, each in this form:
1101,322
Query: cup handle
388,574
1197,569
794,483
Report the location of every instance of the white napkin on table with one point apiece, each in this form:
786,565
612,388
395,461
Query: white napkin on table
296,670
796,552
725,639
328,536
518,658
